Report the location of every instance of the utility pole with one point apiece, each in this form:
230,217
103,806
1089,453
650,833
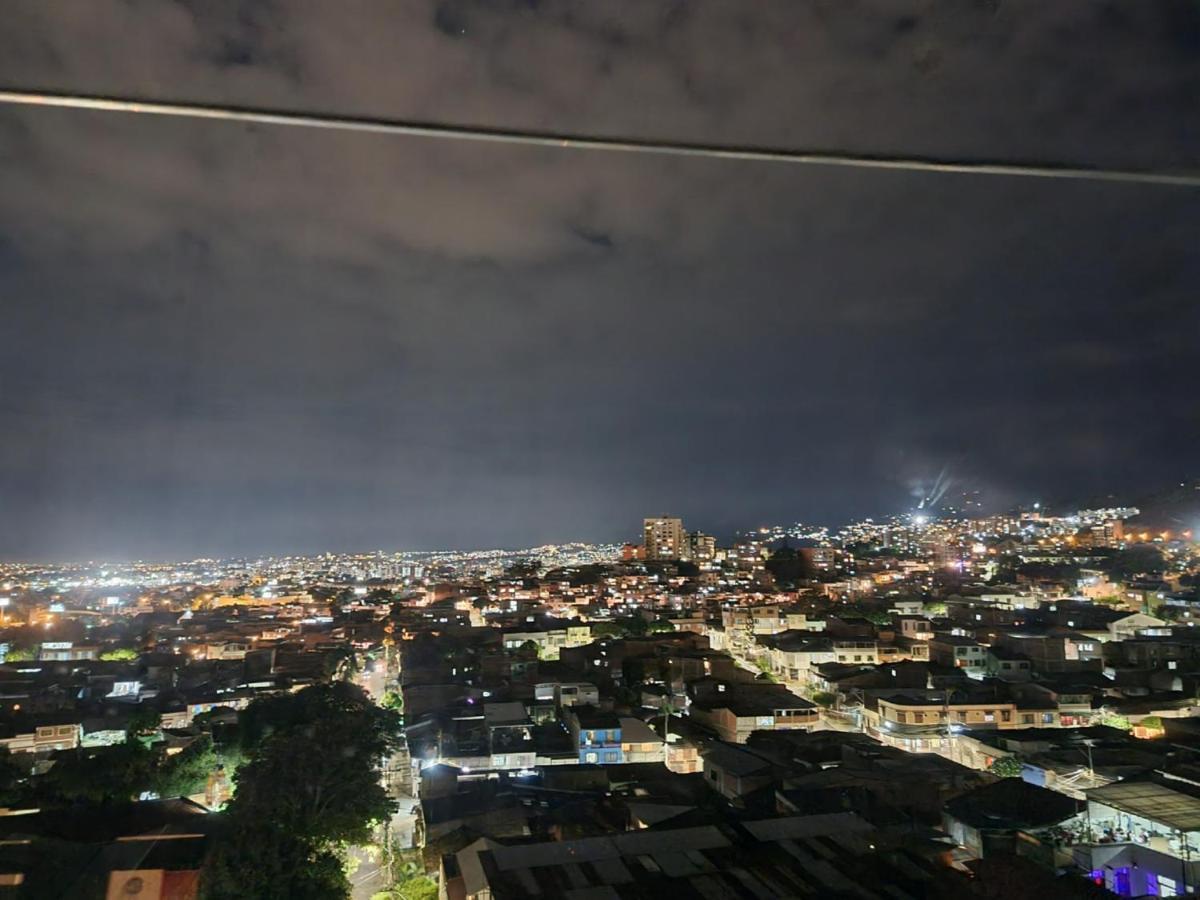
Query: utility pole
668,710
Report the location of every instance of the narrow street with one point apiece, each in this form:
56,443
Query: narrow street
371,873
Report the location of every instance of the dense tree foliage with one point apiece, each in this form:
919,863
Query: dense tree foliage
110,776
789,566
99,776
14,784
1133,562
874,615
120,654
1049,571
322,708
186,772
380,596
627,626
416,887
310,785
144,721
272,864
527,570
20,654
590,574
607,629
1005,767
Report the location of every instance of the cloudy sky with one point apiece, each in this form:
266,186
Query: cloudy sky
228,339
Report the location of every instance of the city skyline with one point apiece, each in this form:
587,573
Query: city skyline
508,449
236,338
1175,518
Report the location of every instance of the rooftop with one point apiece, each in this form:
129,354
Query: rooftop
1176,805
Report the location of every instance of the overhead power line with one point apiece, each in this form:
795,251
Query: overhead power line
566,140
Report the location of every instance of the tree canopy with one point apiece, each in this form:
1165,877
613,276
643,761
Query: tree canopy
186,772
1141,559
321,708
789,566
20,654
144,721
627,626
1005,767
99,776
310,785
119,654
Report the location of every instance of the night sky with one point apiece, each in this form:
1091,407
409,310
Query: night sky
225,339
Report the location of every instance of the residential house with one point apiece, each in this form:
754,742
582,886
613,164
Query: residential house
994,818
639,742
734,771
595,735
1055,650
958,651
1007,665
792,655
734,710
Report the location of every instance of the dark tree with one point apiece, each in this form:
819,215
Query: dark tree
380,596
143,721
589,574
634,626
310,784
607,629
12,780
272,865
526,570
99,776
322,707
186,772
1140,560
322,790
789,566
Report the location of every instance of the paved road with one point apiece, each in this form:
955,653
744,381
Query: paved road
370,876
373,682
837,723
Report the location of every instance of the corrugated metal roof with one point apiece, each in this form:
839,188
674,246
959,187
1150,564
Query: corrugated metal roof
1151,800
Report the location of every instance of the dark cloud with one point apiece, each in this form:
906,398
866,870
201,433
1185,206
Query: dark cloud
232,339
595,238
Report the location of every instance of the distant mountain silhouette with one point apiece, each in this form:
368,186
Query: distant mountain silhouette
1173,509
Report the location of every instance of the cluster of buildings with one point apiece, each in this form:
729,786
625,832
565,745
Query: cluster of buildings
917,707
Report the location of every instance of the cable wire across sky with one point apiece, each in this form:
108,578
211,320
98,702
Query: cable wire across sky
571,141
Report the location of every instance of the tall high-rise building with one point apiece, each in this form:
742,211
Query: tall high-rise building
1108,534
664,538
749,555
703,547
